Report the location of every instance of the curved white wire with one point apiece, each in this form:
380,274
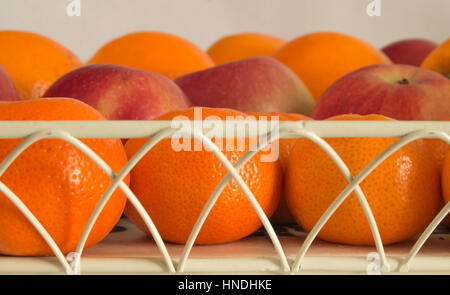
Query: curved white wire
117,180
23,145
336,203
232,173
74,266
129,194
359,178
405,264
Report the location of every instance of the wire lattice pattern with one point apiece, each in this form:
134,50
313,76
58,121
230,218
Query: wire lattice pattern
69,131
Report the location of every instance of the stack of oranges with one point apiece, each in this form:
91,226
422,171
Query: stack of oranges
61,186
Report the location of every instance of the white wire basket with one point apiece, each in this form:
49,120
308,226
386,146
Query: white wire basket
274,250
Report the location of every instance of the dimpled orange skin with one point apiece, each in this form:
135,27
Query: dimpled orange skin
439,59
439,151
58,183
282,214
175,186
163,53
446,185
34,61
320,59
403,192
244,45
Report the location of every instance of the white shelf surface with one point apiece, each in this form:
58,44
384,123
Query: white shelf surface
127,250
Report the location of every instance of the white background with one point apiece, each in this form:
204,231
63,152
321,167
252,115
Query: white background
204,21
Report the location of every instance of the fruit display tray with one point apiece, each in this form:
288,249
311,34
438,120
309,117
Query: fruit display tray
271,250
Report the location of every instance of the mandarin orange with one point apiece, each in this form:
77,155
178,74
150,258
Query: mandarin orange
57,182
34,61
174,186
403,191
163,53
244,45
320,59
439,59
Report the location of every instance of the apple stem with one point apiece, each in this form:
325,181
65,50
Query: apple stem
403,81
447,75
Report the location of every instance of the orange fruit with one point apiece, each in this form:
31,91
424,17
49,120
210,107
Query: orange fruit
320,59
439,152
166,54
403,191
282,215
438,149
34,61
446,185
174,186
244,45
439,59
59,184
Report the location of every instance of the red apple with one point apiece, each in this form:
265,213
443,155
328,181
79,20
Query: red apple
259,84
8,91
121,93
398,91
410,51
